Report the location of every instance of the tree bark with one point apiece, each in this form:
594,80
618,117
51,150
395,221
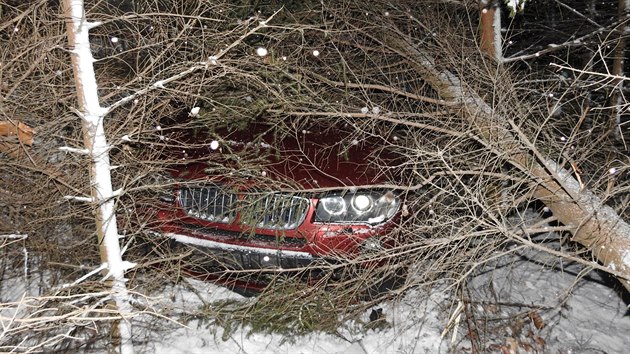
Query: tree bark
616,98
594,224
490,40
97,148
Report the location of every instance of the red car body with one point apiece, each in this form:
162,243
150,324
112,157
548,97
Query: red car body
258,201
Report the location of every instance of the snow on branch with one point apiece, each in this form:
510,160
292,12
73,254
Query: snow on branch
79,199
125,265
89,274
14,237
515,6
75,150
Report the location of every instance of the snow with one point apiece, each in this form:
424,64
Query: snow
214,145
515,5
404,335
194,112
625,258
377,219
316,53
261,52
74,150
14,236
587,315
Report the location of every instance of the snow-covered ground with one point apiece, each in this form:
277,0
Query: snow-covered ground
575,316
414,326
574,313
582,312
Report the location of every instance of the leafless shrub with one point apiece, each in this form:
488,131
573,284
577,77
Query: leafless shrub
327,64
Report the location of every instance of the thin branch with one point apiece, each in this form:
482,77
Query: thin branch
607,76
211,61
377,116
385,89
579,14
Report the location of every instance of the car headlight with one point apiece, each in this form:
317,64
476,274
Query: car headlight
363,206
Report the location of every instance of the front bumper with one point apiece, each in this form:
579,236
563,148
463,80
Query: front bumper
212,254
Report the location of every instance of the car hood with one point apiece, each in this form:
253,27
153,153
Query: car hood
307,159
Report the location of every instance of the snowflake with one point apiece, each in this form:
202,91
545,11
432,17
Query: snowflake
316,53
214,145
261,52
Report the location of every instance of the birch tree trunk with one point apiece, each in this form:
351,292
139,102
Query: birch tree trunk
97,148
616,98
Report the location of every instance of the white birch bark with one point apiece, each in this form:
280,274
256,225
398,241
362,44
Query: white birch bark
623,11
498,38
103,195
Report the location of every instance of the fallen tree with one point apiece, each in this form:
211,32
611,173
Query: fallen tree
593,223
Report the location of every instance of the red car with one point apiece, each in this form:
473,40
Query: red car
260,200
